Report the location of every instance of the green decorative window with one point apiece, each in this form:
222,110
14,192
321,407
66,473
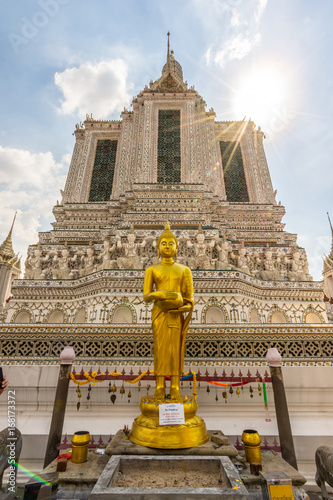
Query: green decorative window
168,158
102,177
233,169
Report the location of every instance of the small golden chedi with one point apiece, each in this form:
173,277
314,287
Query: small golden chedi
169,285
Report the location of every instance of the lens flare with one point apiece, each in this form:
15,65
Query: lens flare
261,94
27,472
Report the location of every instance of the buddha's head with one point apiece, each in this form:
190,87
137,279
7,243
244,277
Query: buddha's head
167,244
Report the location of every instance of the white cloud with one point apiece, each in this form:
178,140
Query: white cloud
19,167
30,185
208,55
98,88
241,33
261,6
235,19
236,47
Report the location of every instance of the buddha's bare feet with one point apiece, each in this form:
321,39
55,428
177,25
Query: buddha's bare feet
159,393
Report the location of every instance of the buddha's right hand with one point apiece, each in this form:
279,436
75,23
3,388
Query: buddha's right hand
165,295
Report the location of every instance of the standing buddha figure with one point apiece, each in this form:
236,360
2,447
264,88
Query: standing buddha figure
169,285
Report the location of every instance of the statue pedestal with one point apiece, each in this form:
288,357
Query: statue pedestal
146,430
217,445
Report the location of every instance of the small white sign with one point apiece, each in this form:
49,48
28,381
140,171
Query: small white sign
171,414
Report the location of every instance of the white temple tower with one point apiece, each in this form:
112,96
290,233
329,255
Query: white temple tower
168,158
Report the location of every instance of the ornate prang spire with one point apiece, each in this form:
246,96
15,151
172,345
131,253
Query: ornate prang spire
171,65
6,248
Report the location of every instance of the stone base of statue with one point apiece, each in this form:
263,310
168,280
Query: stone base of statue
147,431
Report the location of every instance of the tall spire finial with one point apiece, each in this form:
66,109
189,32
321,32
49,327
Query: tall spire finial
168,52
11,229
329,220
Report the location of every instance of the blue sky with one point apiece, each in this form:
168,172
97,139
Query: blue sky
61,59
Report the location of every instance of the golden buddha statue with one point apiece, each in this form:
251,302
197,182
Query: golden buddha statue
173,296
169,285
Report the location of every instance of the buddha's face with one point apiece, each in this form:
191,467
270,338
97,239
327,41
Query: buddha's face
200,238
168,247
131,238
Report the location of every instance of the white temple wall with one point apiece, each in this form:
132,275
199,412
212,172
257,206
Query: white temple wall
308,389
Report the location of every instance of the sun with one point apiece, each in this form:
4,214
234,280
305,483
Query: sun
261,95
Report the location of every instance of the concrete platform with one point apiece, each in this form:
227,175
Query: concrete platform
306,468
79,479
271,462
87,473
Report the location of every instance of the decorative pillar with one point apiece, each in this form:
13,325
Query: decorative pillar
274,358
66,359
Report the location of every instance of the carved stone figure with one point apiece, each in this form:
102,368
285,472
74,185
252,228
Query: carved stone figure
89,261
299,266
241,258
105,256
201,260
63,262
269,272
224,248
131,259
34,263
